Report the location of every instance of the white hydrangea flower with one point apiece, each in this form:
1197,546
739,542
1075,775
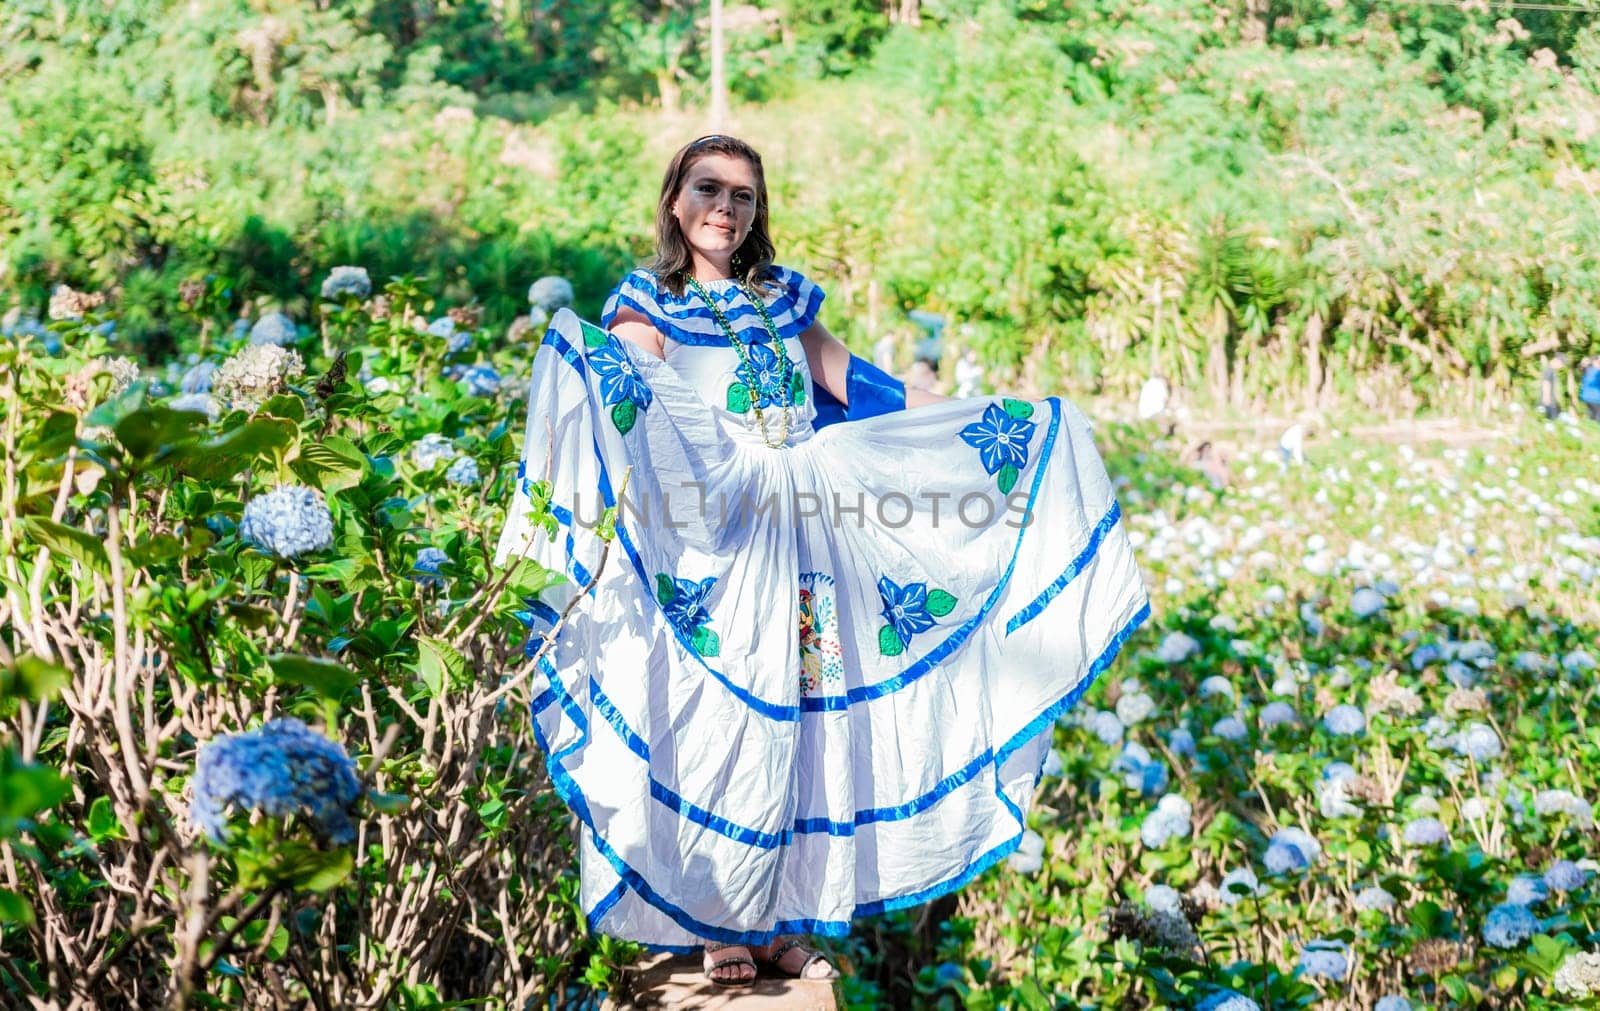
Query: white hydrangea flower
1553,802
1366,602
1176,648
342,281
1579,976
253,375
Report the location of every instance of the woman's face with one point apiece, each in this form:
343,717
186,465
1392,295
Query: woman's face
715,207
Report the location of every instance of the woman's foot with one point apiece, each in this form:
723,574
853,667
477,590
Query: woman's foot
790,957
729,964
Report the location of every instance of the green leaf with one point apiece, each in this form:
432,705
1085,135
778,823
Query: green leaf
738,398
68,542
332,465
624,415
327,678
1007,478
889,643
150,429
33,678
1019,409
388,803
27,788
223,457
284,405
103,822
14,908
529,577
666,589
593,336
312,870
440,666
940,603
706,642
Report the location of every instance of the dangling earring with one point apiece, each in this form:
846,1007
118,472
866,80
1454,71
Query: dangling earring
736,261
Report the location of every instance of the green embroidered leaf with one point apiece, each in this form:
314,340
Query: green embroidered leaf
705,642
665,588
940,603
1008,478
889,643
738,398
594,337
1019,409
624,415
797,389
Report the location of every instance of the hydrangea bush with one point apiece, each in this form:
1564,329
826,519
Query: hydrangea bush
263,703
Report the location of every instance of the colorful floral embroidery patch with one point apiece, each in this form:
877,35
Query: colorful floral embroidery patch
684,602
909,609
1001,438
621,386
821,652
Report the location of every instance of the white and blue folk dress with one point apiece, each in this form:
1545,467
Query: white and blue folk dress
811,682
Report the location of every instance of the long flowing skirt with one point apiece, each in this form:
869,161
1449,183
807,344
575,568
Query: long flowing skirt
809,683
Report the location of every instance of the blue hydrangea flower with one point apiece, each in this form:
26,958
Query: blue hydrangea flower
1169,821
274,328
200,403
1291,849
428,563
1181,741
1324,958
1426,654
198,378
1373,898
1164,899
1426,832
282,769
619,377
1345,721
457,341
463,471
481,380
1479,742
1106,727
343,281
905,608
1526,889
550,293
687,608
431,450
1235,880
1392,1002
1565,876
1140,771
999,439
288,521
444,327
1227,1000
1231,728
1278,714
1509,926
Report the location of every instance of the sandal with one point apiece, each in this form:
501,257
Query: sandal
732,960
775,956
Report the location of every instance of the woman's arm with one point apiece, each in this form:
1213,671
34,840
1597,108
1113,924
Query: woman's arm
631,326
830,367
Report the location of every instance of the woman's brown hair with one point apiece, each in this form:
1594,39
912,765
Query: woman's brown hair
753,258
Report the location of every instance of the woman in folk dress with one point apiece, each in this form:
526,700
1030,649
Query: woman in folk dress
818,667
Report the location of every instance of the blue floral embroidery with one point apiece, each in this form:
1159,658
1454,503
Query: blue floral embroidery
619,377
771,384
1001,439
684,603
909,609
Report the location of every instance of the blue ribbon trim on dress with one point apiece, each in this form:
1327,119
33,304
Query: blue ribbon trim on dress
823,703
1070,573
573,796
740,317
